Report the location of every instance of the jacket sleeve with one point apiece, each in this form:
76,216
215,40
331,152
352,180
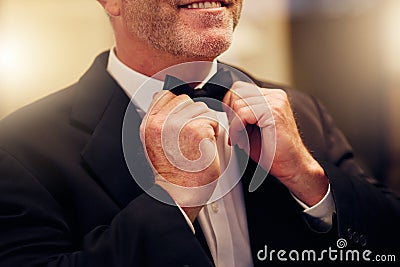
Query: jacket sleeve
368,214
34,230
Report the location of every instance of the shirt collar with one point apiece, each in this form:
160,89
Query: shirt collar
131,80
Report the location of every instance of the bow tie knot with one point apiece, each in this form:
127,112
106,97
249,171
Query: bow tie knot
212,93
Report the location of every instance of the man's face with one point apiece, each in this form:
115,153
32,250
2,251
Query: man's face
188,28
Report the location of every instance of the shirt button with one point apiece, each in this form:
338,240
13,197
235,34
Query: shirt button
363,240
356,237
350,233
214,207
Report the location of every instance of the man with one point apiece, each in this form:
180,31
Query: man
68,197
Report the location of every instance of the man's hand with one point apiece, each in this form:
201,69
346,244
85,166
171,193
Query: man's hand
259,110
179,137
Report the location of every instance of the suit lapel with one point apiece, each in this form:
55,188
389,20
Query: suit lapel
99,109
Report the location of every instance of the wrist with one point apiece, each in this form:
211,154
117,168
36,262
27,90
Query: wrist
309,183
190,199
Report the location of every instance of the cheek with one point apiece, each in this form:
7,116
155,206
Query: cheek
137,11
236,13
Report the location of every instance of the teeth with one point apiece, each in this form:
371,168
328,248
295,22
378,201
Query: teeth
204,5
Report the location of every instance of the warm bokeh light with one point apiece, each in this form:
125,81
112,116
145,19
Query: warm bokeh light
261,42
47,45
390,29
9,59
16,61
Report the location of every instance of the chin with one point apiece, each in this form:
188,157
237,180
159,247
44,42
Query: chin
210,48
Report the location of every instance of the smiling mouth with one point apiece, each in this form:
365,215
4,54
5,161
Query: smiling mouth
204,5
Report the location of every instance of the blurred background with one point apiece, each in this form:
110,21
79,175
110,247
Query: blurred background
344,52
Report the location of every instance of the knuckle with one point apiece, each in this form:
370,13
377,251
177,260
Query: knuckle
279,100
170,125
184,98
191,129
200,127
237,105
201,105
239,84
214,125
154,124
282,94
242,111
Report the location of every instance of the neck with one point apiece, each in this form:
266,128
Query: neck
151,62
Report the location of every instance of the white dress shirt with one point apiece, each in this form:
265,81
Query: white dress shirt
223,221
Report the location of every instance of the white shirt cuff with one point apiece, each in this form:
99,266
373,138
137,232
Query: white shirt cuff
187,219
322,211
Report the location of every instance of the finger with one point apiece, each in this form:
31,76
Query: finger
237,132
250,101
263,115
156,95
194,112
247,112
270,92
248,115
258,114
211,117
240,121
190,110
199,110
160,100
239,91
231,96
169,105
245,90
180,100
227,100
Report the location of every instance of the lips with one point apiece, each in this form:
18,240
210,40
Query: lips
204,5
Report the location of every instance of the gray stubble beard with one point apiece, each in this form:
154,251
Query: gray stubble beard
164,33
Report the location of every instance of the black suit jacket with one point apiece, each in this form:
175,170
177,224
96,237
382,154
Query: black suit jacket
68,199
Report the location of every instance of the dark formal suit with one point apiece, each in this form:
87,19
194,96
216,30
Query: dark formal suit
68,199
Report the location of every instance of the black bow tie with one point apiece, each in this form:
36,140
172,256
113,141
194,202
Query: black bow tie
211,93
